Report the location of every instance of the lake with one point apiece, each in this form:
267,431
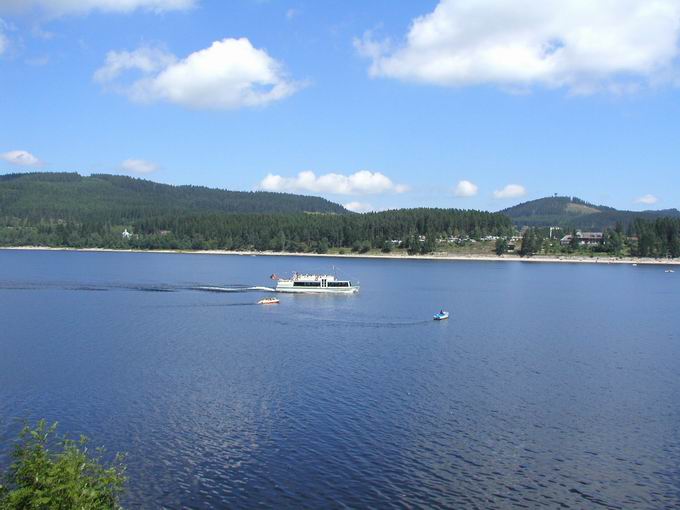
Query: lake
551,385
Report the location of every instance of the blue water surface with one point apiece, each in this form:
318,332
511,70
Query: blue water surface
551,385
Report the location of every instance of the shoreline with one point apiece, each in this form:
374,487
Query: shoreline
446,257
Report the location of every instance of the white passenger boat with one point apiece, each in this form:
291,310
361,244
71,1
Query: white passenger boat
314,283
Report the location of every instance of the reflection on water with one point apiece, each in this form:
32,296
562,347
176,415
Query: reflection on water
551,385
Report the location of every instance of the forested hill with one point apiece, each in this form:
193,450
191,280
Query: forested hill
571,212
119,199
120,212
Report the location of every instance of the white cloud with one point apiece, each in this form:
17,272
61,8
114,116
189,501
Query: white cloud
139,166
510,191
359,207
578,44
230,74
4,40
66,7
647,199
146,60
21,158
363,182
465,189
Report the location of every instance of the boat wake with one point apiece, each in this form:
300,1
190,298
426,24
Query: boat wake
86,287
209,288
368,323
103,286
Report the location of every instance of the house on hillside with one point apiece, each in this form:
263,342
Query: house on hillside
583,238
126,234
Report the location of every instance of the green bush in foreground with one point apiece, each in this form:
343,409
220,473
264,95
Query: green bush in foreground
59,474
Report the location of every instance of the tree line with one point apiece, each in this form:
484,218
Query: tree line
70,210
659,238
415,229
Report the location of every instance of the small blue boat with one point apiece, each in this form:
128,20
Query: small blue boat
442,315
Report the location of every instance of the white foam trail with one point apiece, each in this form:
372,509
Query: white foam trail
234,289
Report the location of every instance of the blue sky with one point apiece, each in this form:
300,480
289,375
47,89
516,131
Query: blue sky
389,104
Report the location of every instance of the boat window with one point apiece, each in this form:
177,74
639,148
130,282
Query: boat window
306,284
338,284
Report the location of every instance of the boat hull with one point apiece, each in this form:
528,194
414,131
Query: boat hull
314,284
318,290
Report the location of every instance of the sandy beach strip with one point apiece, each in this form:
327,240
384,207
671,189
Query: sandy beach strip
434,256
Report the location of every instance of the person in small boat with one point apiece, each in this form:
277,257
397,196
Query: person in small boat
441,312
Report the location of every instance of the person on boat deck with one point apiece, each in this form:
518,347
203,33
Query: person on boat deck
441,312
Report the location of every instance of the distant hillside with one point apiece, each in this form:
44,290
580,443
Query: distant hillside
571,212
110,211
70,196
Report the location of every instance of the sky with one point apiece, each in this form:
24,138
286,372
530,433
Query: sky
445,103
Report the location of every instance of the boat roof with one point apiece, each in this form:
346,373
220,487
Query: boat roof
310,277
313,277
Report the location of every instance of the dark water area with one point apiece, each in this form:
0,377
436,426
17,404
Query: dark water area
552,385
